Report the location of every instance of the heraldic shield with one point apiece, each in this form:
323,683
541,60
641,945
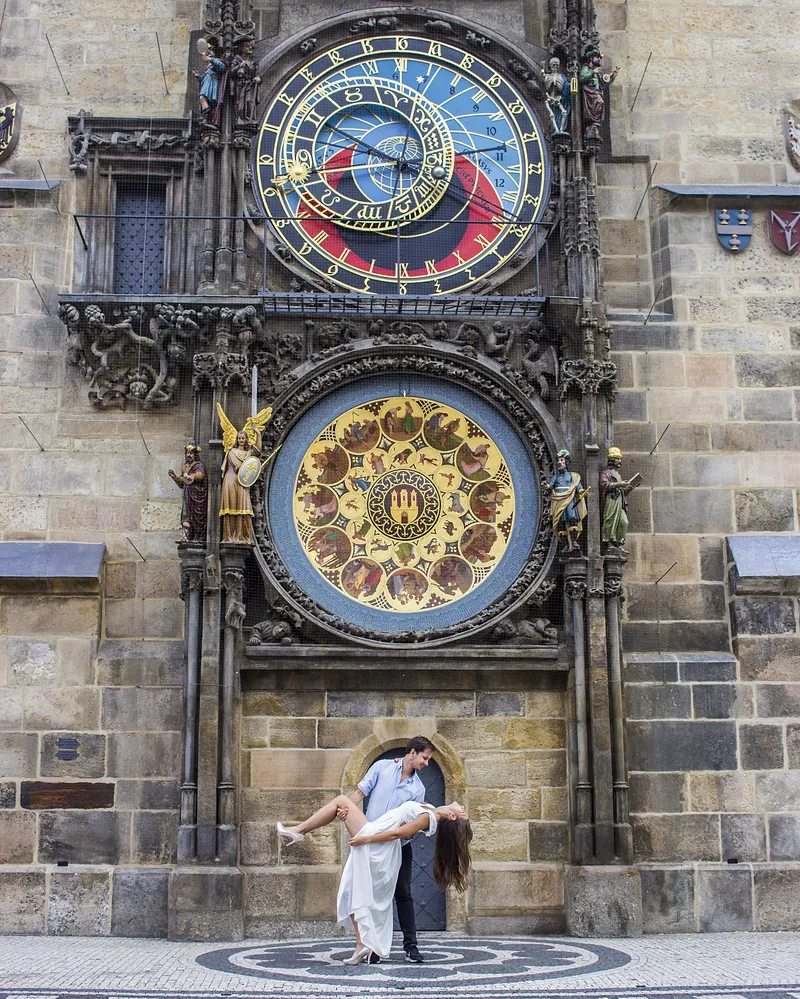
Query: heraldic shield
784,230
10,117
734,228
249,471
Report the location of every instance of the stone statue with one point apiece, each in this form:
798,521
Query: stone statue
235,507
245,81
558,98
212,81
193,480
567,501
613,499
592,82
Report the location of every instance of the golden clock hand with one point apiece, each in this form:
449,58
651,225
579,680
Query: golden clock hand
476,198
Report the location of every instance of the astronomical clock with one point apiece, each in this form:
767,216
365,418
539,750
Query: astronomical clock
404,156
401,164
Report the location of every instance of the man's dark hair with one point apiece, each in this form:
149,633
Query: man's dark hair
419,744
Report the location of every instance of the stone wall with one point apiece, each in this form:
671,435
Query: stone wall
503,753
714,756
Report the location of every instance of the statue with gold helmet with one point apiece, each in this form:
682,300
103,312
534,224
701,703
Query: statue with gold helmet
567,501
241,467
614,499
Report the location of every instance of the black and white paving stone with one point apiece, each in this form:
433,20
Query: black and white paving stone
700,966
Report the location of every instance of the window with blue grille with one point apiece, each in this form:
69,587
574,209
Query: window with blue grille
139,243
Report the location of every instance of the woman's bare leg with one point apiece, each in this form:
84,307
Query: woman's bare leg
327,814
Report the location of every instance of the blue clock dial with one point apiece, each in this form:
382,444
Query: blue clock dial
401,165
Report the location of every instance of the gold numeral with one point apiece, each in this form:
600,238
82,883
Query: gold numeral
495,81
367,47
430,267
401,64
466,62
435,49
534,168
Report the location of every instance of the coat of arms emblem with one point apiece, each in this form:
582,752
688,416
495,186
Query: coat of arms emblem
10,115
734,228
791,133
784,230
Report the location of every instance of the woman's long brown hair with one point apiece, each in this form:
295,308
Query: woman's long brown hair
451,858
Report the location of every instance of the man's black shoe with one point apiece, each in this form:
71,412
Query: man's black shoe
374,959
413,955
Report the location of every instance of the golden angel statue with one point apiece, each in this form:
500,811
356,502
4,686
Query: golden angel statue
235,507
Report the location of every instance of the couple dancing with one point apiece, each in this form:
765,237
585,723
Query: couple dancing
379,867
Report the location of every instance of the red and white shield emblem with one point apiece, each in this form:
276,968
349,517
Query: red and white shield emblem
784,230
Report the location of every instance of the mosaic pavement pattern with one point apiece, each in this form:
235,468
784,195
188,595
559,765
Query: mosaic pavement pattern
701,966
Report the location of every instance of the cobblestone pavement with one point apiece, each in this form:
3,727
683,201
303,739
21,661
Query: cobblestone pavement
705,966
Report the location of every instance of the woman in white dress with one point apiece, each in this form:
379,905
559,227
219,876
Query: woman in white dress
366,892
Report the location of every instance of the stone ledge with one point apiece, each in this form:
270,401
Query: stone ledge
54,567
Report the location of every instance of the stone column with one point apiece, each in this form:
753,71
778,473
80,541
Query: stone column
192,558
623,836
232,558
575,594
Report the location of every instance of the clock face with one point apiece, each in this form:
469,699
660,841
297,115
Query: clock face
399,165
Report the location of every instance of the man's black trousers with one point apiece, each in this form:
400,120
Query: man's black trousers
405,903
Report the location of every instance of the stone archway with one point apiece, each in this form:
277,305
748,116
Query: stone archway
392,732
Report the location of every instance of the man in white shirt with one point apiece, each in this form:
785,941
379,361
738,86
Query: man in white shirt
390,783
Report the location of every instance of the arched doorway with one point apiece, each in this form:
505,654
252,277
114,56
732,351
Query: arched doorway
429,899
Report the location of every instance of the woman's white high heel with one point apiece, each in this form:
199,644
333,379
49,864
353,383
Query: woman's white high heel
288,835
359,954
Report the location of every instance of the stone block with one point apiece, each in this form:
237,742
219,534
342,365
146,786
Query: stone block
144,618
258,844
721,700
433,706
271,894
323,847
778,700
289,805
79,903
784,837
533,733
677,602
18,754
631,405
24,513
743,837
767,405
342,733
254,732
778,792
17,837
668,899
142,709
46,615
709,370
507,889
499,840
485,804
671,838
205,903
764,510
555,804
769,370
603,901
148,794
72,754
545,704
159,579
706,667
8,794
343,704
769,658
84,837
502,703
761,747
549,841
23,895
500,769
293,732
75,662
692,511
668,700
545,769
155,838
42,795
11,709
317,891
659,370
793,746
658,793
85,514
33,663
139,902
643,668
472,733
763,616
776,890
130,754
694,470
722,792
724,899
298,704
61,708
682,745
297,768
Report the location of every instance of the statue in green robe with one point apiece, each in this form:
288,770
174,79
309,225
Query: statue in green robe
613,499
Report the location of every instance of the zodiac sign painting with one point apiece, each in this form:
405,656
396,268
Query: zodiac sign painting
404,504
